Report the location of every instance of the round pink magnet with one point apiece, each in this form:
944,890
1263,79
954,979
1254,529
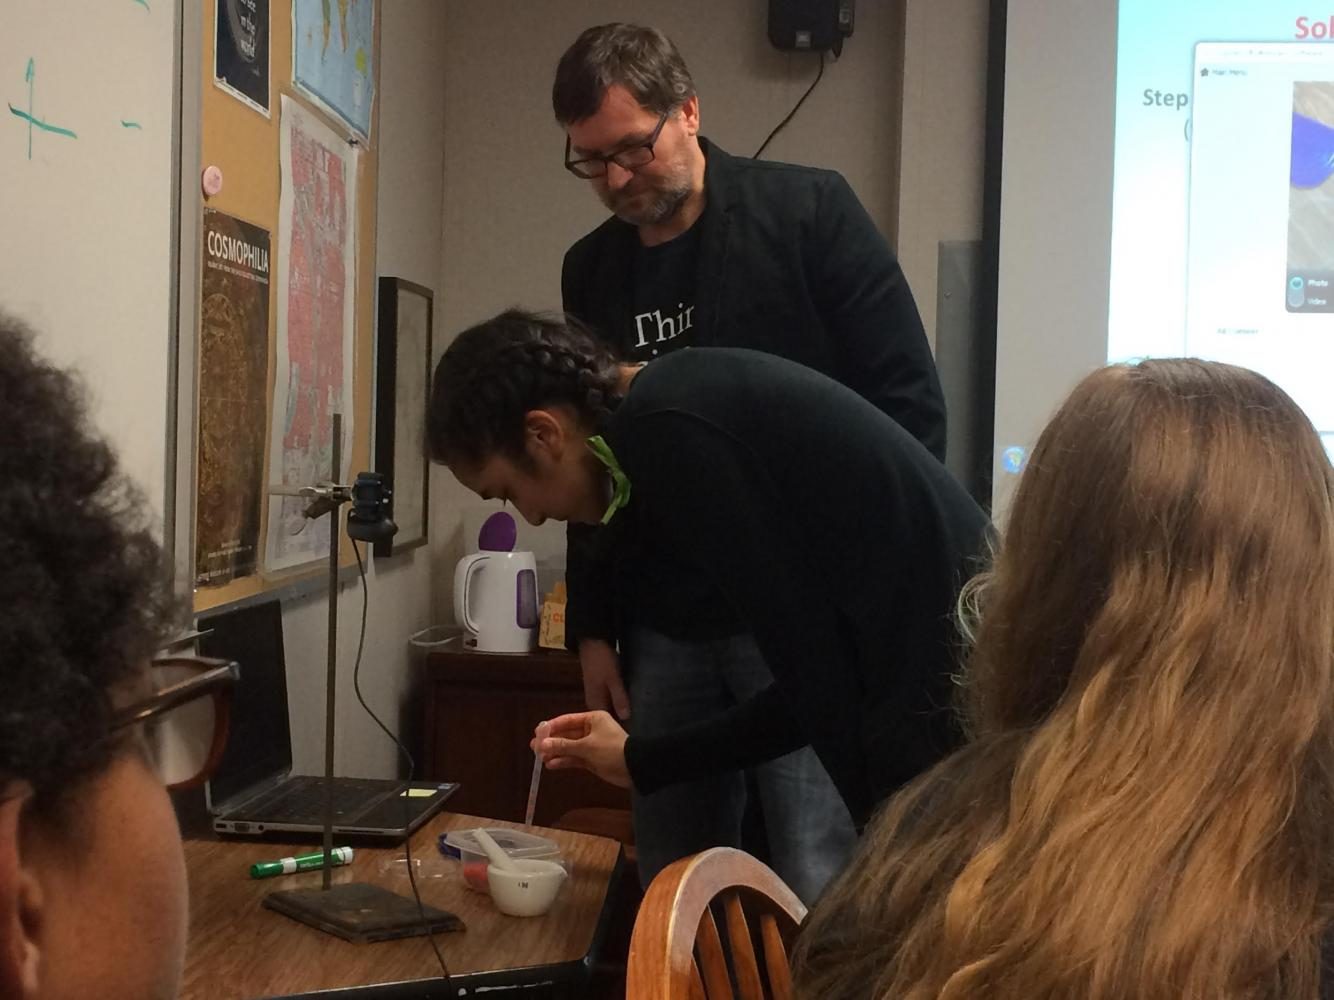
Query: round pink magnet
212,181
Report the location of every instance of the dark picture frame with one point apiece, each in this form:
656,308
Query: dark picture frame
402,388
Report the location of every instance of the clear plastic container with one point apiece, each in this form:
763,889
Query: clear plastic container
462,845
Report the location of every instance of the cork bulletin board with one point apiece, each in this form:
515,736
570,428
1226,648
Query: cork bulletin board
287,201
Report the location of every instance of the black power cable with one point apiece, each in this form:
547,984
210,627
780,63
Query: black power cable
764,145
407,841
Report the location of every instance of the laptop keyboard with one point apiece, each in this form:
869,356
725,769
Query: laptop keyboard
301,799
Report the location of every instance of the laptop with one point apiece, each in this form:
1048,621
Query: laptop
254,790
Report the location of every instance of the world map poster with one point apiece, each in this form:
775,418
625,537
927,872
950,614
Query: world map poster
314,357
333,44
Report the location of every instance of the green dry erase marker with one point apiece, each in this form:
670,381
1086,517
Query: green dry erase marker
300,863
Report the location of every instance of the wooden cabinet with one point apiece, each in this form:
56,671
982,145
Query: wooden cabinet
481,709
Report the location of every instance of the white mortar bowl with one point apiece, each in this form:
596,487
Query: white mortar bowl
530,891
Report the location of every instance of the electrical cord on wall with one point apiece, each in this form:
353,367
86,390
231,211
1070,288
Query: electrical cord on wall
764,145
407,841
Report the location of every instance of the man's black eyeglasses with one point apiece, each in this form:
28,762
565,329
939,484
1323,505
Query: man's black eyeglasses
629,158
185,721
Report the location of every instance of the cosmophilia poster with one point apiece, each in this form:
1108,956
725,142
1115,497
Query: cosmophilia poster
233,403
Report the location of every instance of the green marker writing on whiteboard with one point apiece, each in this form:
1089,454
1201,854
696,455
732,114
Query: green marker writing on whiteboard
300,863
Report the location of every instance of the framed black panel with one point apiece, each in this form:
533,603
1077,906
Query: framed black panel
402,389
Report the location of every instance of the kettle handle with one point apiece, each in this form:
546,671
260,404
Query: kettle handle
463,574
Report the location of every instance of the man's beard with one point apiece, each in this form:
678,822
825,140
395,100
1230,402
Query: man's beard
660,208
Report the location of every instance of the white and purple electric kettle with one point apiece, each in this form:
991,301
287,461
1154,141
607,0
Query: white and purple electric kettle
495,591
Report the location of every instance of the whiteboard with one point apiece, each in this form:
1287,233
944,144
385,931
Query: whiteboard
86,219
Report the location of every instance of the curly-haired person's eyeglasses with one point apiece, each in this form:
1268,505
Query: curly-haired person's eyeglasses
629,158
185,722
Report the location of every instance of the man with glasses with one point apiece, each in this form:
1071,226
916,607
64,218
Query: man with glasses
704,248
92,876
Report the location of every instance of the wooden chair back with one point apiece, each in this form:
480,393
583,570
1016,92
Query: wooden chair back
677,951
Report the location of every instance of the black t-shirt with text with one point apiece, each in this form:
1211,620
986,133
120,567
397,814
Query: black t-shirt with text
663,303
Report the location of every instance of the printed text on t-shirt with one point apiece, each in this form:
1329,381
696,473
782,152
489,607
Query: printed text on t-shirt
652,325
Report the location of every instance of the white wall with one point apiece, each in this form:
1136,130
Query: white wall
411,138
944,129
511,210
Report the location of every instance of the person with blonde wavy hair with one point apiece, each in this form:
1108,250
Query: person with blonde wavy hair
1145,808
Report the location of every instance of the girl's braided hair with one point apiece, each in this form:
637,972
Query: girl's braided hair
497,371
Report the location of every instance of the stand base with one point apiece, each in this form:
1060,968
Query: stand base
358,911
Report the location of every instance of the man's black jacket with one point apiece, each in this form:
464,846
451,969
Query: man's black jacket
790,264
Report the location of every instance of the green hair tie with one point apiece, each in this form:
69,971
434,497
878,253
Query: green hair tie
620,482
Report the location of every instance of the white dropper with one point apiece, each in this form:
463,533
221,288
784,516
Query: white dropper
542,729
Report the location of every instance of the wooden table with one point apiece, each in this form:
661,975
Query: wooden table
240,951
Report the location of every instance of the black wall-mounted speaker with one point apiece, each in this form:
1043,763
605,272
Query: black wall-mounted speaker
812,25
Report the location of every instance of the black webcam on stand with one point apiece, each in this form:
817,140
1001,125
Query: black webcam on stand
371,499
368,520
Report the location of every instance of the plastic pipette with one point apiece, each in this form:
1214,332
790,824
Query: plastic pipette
537,778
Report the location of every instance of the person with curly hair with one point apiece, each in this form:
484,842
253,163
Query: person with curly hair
92,878
1146,807
828,530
